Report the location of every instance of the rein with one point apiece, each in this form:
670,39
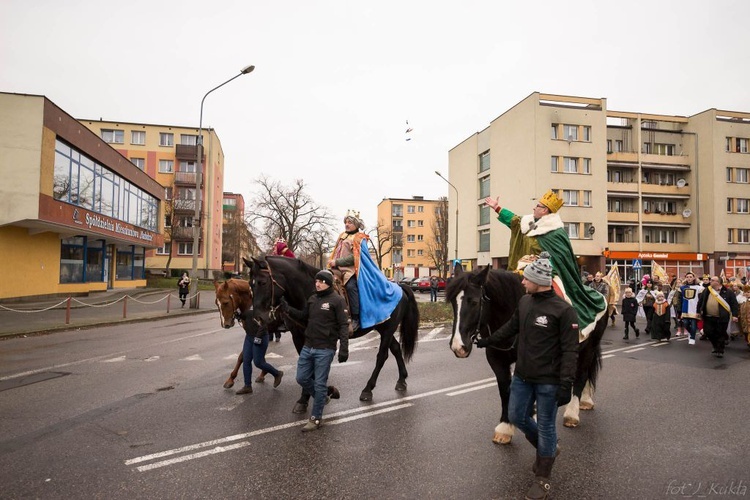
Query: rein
486,300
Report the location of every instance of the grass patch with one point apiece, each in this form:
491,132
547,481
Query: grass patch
435,312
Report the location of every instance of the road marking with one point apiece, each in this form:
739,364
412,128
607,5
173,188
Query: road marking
471,389
348,363
194,357
636,349
436,339
369,414
233,356
608,356
432,334
273,355
624,348
114,360
219,447
152,358
659,344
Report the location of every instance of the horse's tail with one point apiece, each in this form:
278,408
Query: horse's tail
595,353
409,324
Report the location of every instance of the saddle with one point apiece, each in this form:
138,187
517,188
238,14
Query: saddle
340,289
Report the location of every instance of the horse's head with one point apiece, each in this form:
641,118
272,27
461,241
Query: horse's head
233,297
470,304
267,291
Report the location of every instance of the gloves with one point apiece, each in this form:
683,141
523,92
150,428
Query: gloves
343,356
483,342
563,394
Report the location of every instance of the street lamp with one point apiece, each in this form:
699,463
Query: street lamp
456,190
198,181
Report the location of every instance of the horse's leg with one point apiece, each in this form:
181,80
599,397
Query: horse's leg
587,397
571,417
385,341
395,348
504,430
230,381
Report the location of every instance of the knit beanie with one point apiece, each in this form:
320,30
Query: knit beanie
539,271
325,276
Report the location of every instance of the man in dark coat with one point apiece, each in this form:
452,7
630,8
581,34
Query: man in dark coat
717,306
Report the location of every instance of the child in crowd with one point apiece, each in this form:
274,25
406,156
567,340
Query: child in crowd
660,318
629,311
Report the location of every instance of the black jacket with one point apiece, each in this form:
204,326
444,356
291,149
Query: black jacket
629,309
327,322
547,342
725,294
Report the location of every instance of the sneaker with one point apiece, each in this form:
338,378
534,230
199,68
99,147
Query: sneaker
691,341
312,425
277,379
245,390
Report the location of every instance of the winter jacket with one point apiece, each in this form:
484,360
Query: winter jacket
547,338
629,309
725,294
327,321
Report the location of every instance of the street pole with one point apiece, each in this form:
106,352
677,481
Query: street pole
197,225
456,190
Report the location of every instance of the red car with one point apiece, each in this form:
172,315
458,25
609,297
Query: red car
423,284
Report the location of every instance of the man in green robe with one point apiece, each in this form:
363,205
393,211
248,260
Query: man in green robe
543,230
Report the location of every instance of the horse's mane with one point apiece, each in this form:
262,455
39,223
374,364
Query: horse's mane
498,282
297,264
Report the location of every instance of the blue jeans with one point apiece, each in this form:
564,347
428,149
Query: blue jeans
521,407
257,354
433,294
313,367
691,325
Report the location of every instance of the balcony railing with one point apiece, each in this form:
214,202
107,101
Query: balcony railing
184,205
188,178
182,233
187,153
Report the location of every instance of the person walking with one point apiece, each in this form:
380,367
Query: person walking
433,289
629,312
690,291
327,323
675,298
255,348
660,320
646,298
183,288
546,331
717,306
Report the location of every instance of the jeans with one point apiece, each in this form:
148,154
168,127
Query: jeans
255,353
691,325
352,290
313,367
433,294
521,408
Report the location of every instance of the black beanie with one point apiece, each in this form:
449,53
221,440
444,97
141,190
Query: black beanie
325,276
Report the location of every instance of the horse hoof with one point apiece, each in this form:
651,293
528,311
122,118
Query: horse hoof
365,396
401,386
299,408
229,383
586,406
571,422
501,438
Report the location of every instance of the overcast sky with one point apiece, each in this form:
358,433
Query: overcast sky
335,81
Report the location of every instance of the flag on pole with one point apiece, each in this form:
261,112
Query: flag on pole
613,278
723,277
657,270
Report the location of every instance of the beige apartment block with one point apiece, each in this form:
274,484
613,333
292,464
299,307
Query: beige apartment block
168,154
637,187
411,222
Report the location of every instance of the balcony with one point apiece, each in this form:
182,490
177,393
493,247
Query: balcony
661,189
180,205
622,217
185,178
187,153
623,187
182,233
675,162
655,219
627,157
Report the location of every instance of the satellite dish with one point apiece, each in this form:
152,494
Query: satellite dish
687,213
681,183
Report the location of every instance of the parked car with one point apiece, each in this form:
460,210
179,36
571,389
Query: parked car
423,284
406,281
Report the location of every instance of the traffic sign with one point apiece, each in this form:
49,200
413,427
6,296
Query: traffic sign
637,264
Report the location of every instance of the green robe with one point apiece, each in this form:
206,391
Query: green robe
530,237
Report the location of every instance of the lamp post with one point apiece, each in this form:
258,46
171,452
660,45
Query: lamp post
198,181
456,190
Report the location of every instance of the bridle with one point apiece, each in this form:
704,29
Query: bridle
272,311
482,323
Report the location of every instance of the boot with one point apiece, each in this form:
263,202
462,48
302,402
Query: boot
637,333
626,335
539,490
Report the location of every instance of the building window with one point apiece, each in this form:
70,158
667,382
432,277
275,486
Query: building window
741,175
646,148
113,136
570,165
484,187
166,139
420,209
587,165
185,193
618,146
741,145
743,236
664,149
553,131
188,140
163,250
72,252
185,248
420,223
139,162
572,229
420,237
554,167
587,234
166,166
397,225
587,198
484,161
587,133
729,174
742,205
187,166
420,253
168,193
410,223
660,236
609,146
730,234
570,132
410,238
484,240
570,198
729,205
484,215
410,209
729,144
138,137
410,253
397,211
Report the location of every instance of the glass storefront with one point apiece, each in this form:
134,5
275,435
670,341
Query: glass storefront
82,260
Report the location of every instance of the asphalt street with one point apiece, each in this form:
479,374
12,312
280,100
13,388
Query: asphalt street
127,412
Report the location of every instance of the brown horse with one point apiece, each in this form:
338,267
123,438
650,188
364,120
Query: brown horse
233,297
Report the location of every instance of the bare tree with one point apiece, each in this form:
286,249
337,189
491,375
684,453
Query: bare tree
384,238
237,240
173,226
288,212
437,248
316,250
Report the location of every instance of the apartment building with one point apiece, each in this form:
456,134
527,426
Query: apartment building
75,215
413,245
169,154
637,187
237,241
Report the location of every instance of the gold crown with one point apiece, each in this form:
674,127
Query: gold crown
551,201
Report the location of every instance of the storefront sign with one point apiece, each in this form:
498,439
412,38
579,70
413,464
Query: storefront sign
656,256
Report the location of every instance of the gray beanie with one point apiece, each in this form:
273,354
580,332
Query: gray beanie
539,271
325,276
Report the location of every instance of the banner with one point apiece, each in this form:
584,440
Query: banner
613,278
657,270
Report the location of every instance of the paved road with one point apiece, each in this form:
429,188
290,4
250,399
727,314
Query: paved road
127,412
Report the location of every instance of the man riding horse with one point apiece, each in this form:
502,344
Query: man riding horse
544,230
372,297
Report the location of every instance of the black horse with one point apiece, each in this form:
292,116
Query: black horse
483,300
277,277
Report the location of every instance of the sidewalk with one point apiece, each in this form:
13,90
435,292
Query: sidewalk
110,307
